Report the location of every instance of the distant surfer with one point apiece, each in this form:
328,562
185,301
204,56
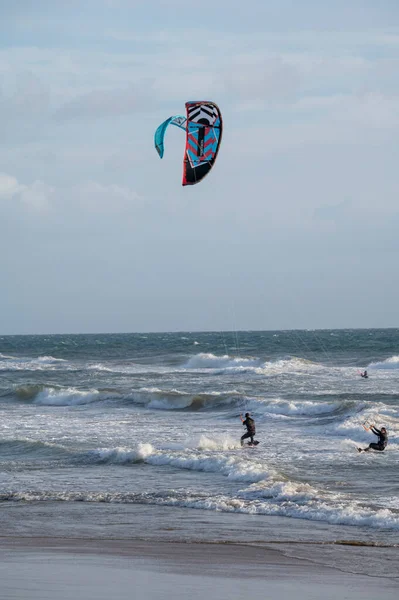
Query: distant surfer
382,439
250,425
364,375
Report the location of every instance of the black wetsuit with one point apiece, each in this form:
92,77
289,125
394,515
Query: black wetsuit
382,439
250,425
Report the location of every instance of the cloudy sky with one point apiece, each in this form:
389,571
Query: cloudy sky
297,226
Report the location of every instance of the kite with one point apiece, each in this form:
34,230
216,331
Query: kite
203,126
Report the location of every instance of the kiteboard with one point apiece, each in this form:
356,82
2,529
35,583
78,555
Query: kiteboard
371,451
252,445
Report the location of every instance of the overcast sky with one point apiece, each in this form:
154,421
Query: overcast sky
297,226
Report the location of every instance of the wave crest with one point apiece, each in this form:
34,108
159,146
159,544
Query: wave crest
211,361
389,363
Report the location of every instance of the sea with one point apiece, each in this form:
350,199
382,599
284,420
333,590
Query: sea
137,436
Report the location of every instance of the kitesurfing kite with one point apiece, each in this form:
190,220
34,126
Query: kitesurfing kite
203,126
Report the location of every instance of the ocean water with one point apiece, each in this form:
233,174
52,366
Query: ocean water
137,435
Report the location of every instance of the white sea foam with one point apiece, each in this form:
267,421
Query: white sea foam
236,468
285,501
157,399
299,407
336,513
211,361
50,359
288,365
296,500
41,363
100,367
122,455
291,491
65,397
280,409
352,426
389,363
127,369
174,399
251,364
222,442
170,404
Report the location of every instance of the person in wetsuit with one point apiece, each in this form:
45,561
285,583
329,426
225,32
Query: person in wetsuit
250,425
364,375
382,439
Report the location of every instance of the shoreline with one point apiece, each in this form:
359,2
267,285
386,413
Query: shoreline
93,568
106,526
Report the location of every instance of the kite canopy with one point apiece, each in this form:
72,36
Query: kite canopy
203,127
203,137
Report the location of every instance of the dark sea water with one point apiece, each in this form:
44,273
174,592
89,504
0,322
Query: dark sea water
137,435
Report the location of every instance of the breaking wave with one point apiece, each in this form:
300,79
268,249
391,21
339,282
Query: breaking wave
285,499
41,363
389,363
258,366
211,361
55,396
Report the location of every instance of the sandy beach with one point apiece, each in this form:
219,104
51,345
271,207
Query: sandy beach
66,569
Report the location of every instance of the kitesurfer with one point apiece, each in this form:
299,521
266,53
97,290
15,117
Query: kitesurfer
250,425
382,439
364,375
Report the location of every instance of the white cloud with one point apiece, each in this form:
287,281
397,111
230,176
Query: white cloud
233,68
24,93
97,198
271,80
36,196
9,186
89,197
106,103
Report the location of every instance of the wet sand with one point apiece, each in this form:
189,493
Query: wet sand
93,569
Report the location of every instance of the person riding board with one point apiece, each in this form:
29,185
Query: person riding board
250,425
382,439
365,375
